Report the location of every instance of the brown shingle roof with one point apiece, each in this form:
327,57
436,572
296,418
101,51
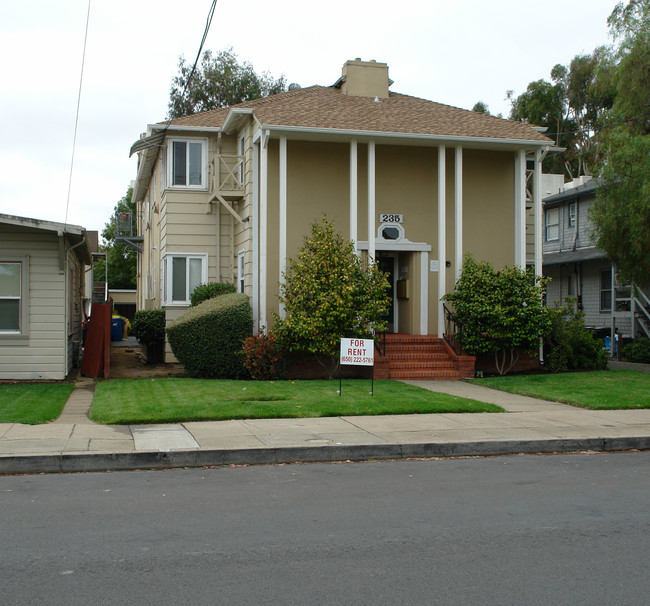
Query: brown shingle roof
328,108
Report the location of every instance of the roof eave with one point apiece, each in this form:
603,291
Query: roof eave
361,135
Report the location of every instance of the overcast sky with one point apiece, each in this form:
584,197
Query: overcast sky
451,52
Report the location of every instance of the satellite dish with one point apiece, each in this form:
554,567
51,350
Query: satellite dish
294,86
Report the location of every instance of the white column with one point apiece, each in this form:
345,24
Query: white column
442,244
255,304
520,208
353,194
537,200
371,201
458,207
263,227
283,214
424,293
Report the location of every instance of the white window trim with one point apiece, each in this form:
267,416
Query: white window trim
23,330
204,163
573,216
241,152
167,275
556,224
241,270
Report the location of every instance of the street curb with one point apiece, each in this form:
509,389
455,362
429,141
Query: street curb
87,462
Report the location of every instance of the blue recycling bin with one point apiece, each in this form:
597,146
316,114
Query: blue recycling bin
117,328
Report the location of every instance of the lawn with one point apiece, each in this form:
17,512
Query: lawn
175,400
32,403
601,390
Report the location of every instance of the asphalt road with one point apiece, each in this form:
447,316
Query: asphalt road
560,529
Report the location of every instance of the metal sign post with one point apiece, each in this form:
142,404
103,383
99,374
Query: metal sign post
358,352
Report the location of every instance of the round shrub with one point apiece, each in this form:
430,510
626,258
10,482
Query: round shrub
207,339
203,292
148,327
638,351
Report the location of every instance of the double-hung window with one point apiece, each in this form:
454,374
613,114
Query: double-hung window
606,290
240,270
552,224
187,161
572,214
14,281
182,273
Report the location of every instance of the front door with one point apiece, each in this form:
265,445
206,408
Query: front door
387,265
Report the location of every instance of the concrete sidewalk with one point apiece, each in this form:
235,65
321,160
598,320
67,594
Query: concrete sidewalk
74,443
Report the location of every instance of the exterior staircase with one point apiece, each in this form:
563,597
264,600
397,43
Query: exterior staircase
424,357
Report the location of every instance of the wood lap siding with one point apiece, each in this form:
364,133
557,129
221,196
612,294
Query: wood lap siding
41,354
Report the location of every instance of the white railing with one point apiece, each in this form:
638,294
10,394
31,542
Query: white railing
226,173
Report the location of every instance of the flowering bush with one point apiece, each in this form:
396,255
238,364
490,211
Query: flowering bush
261,356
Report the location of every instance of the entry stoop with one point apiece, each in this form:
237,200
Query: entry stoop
423,357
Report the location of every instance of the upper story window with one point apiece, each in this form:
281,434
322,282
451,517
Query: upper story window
14,280
187,163
572,214
182,273
552,224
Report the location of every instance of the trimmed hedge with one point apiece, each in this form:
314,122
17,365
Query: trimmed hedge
203,292
207,339
148,327
638,351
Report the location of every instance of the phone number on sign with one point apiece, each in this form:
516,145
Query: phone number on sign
356,360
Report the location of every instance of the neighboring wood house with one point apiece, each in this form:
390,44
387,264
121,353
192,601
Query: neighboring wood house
578,269
42,268
227,195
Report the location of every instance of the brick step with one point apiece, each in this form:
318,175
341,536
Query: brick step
419,356
438,375
405,364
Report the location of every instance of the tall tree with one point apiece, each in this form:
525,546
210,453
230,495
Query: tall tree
621,212
570,108
121,259
219,80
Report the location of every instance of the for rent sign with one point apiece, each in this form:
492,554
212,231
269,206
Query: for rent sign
358,352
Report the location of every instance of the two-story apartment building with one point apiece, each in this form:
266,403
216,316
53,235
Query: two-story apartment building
227,195
580,270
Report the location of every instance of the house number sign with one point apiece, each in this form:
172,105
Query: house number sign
391,218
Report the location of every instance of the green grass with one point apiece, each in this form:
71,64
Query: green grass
32,403
601,390
176,400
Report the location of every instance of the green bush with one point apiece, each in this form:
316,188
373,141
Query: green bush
638,351
207,339
569,345
148,327
203,292
501,311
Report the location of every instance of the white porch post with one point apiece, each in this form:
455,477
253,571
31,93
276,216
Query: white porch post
283,214
256,232
458,206
537,195
424,293
442,218
371,201
353,194
520,208
263,226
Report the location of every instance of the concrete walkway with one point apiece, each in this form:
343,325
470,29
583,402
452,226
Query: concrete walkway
529,425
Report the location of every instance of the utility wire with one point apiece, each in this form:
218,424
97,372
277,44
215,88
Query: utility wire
198,56
76,120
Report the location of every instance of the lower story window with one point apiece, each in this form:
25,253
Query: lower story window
606,290
240,271
14,279
183,272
